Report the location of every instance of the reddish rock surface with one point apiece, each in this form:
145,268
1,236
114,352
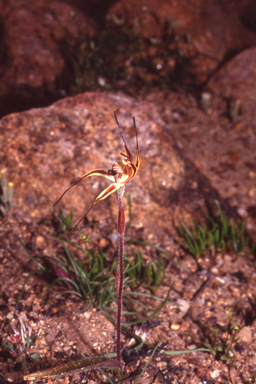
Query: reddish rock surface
45,150
35,71
214,29
31,61
235,83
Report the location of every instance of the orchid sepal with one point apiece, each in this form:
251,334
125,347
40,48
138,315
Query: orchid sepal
94,172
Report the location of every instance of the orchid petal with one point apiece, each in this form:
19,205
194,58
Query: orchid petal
127,152
110,189
94,172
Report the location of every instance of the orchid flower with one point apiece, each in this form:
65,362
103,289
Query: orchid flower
120,174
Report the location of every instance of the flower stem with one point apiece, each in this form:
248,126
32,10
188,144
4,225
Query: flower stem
120,275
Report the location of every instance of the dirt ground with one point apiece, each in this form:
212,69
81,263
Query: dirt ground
222,150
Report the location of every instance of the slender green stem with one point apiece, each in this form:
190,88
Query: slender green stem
120,275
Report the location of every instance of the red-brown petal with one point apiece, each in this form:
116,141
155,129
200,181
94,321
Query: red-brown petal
94,172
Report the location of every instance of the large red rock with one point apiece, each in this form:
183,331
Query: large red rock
32,65
235,83
214,29
46,150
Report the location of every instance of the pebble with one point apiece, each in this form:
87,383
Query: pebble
215,374
34,314
113,237
183,305
40,240
50,338
161,364
87,315
245,335
103,243
242,212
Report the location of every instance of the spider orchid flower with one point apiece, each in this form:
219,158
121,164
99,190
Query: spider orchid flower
120,174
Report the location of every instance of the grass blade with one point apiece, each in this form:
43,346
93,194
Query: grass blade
25,282
79,366
160,250
168,353
30,254
143,370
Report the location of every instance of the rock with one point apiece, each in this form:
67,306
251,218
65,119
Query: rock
46,150
35,68
214,29
32,60
183,306
235,82
245,335
9,316
50,338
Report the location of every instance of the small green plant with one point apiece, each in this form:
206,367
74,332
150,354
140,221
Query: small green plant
222,346
88,276
197,240
151,275
221,235
65,221
236,237
217,236
19,344
6,194
155,274
231,233
135,269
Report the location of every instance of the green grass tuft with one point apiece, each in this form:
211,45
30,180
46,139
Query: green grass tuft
223,234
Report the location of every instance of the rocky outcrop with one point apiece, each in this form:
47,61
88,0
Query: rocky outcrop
214,29
32,64
235,85
43,42
46,150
